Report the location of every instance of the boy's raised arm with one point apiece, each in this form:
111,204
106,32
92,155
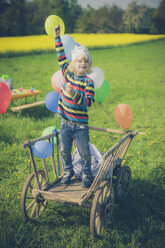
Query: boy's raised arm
57,30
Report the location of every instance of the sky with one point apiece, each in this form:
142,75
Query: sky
120,3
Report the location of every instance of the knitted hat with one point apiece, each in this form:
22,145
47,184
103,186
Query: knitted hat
79,50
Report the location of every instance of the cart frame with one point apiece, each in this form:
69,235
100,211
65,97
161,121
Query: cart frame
100,197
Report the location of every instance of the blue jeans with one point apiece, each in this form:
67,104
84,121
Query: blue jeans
80,134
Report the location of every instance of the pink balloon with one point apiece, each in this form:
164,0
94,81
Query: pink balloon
5,97
57,81
123,115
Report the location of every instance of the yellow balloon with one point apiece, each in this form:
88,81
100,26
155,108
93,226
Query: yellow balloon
51,22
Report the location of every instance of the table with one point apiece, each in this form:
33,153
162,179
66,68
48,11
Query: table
24,93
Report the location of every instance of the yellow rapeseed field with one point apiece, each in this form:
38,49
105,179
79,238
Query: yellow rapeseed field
44,42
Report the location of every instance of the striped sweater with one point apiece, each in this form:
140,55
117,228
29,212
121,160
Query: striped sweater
73,109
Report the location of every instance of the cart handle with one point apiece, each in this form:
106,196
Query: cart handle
29,143
107,130
114,130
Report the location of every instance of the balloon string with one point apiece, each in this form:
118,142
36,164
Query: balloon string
55,130
53,144
57,153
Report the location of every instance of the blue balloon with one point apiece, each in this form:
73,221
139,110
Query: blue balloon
77,44
42,149
51,101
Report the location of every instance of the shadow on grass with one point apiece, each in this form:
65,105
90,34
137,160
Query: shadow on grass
5,136
38,112
60,214
139,219
142,212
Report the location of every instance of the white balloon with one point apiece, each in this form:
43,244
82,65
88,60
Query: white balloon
57,81
69,44
97,76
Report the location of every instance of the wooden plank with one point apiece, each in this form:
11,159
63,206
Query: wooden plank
26,106
73,190
54,197
62,193
30,143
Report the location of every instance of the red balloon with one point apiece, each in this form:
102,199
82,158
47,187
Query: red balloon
57,81
5,97
123,115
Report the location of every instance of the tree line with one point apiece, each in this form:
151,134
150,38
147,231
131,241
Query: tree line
27,17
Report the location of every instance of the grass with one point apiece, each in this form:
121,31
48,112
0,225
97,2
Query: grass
136,76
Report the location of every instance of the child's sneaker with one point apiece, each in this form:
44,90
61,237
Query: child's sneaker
86,181
67,177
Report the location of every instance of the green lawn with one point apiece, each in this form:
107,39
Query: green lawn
136,76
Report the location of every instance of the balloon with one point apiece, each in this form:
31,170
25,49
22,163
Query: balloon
102,92
51,101
77,44
51,22
57,81
90,58
69,44
5,97
48,131
123,115
42,149
98,76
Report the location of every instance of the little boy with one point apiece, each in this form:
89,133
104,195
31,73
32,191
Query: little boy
76,95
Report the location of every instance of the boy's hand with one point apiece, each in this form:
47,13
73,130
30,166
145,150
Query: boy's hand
69,90
57,30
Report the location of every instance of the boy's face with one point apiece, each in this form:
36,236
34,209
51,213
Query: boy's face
81,66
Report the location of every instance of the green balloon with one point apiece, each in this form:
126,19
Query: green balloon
102,92
48,131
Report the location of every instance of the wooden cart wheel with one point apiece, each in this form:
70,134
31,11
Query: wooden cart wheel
33,206
122,183
102,209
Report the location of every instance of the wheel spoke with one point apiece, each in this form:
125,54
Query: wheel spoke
33,210
37,210
102,208
108,193
40,180
104,193
31,204
100,201
44,184
98,224
42,207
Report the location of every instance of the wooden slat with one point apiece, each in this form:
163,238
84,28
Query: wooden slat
62,193
73,190
26,106
30,143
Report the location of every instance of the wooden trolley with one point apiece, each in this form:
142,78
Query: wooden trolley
100,197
